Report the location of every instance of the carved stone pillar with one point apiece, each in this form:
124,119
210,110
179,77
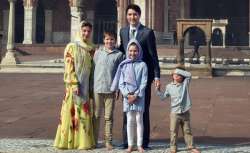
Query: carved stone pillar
77,9
209,54
121,13
151,14
121,10
10,58
144,11
29,21
180,54
166,16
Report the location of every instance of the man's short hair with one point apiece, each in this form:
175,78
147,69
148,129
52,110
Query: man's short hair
134,7
111,33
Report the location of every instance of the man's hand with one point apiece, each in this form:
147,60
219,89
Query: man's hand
131,99
157,84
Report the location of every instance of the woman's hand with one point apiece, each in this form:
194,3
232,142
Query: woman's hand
131,99
77,91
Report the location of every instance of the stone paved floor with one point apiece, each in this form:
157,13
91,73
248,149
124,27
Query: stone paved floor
30,105
45,146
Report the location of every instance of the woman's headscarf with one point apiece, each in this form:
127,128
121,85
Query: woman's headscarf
126,67
83,61
82,58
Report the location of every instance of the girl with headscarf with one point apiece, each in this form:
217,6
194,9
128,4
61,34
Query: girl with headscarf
131,79
75,129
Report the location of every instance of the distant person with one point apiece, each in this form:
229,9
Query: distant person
106,60
196,49
131,79
175,37
146,37
178,91
75,129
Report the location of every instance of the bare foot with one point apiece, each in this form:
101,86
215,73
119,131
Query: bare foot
194,150
130,149
109,146
141,150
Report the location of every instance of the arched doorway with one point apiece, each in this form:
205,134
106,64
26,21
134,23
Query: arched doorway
195,34
105,18
40,22
195,37
19,21
217,37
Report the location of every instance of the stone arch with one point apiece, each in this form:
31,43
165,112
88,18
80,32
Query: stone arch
217,37
183,25
195,34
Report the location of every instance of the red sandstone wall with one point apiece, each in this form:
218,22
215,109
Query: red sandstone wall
61,16
159,15
174,13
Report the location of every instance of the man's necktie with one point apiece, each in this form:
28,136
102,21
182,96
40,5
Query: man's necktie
132,34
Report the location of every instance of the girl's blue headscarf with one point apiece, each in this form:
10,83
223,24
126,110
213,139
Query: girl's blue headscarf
126,67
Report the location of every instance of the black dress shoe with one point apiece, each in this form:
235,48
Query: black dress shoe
146,147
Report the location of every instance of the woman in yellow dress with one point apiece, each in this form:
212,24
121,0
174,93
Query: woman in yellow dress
75,130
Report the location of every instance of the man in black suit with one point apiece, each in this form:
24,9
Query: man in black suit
146,37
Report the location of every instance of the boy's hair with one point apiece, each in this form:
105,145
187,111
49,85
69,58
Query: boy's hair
134,7
86,24
109,33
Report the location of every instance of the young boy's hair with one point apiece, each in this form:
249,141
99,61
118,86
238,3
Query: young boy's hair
109,33
134,7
